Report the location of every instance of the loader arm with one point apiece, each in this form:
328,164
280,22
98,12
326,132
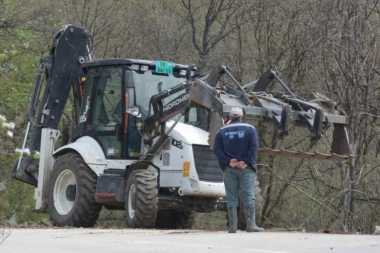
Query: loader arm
281,110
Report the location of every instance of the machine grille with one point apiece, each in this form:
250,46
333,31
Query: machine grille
206,164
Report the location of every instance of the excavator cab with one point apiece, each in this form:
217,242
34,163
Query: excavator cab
112,87
101,108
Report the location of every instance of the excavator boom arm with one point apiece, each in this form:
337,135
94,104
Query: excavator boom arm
60,70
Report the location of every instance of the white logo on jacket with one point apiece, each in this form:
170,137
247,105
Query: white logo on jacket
232,134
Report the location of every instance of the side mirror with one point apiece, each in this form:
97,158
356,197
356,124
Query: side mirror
134,111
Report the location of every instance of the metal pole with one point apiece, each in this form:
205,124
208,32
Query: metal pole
23,144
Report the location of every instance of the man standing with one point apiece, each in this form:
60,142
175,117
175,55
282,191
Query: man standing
236,146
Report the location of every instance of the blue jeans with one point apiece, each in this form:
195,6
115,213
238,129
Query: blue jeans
243,180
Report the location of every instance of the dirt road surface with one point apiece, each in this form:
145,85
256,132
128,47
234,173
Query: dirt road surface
175,241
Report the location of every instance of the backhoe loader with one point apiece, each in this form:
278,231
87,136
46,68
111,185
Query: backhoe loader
143,132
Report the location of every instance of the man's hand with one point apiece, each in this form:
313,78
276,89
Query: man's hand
233,163
241,165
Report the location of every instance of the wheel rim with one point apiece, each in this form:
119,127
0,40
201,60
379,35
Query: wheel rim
65,181
132,201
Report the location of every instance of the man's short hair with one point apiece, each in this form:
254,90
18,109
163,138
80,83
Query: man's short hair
236,112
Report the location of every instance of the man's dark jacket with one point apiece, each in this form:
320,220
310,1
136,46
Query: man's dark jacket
236,140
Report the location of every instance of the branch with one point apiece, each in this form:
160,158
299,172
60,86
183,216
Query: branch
192,23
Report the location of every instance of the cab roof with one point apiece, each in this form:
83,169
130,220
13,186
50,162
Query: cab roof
127,62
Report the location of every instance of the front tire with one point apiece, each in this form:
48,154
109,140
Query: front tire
166,220
71,188
141,199
186,219
175,220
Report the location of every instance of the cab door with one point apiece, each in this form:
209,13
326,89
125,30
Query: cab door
102,109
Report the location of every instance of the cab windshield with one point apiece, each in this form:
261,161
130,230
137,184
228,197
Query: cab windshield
148,84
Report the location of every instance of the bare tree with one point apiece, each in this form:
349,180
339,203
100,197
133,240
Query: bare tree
211,22
347,55
100,18
328,46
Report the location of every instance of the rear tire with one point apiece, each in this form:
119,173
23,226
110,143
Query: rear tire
141,199
71,188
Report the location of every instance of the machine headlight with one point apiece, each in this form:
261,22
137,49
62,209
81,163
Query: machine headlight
135,67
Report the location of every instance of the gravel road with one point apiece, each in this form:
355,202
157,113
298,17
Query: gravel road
183,241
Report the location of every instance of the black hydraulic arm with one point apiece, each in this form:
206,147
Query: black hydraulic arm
61,69
162,112
69,51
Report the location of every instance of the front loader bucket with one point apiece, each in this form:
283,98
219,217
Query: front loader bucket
216,100
279,110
